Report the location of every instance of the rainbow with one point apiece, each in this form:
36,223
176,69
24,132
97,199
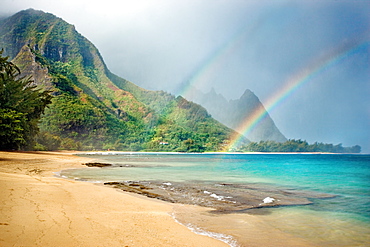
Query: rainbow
294,83
204,72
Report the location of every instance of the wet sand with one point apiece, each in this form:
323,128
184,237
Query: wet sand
39,209
249,230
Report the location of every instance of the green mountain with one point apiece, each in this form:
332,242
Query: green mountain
93,108
233,113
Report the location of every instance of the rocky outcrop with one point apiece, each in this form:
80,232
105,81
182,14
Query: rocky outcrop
30,68
97,164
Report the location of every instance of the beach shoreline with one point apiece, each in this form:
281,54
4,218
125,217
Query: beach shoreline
198,210
39,209
108,152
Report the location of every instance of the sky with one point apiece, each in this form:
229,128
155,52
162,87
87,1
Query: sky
234,45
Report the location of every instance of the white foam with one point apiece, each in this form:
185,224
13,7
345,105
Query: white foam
168,184
219,236
268,200
220,198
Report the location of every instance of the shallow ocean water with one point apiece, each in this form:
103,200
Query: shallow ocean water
341,218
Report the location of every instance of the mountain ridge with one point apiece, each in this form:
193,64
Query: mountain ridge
233,113
94,108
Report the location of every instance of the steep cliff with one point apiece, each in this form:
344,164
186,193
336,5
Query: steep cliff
93,108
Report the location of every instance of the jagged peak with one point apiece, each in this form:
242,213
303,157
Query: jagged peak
213,93
248,92
249,95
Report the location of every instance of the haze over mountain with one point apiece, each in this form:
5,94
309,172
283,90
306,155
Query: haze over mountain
233,113
237,45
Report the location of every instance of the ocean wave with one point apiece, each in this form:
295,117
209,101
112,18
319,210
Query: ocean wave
219,236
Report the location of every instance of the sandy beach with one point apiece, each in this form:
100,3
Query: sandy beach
38,209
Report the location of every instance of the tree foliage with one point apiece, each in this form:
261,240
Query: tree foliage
298,146
21,106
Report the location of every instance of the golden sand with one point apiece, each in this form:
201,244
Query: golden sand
38,209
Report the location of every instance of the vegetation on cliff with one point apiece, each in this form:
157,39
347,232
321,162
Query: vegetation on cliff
94,109
21,106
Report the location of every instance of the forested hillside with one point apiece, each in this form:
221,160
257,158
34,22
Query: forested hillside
91,107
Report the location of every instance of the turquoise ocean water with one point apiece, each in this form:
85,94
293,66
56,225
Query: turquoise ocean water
342,220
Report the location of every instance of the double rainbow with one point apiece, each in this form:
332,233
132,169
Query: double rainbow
296,82
202,74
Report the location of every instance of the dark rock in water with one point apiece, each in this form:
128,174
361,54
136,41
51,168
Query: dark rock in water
112,183
97,164
223,198
138,189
